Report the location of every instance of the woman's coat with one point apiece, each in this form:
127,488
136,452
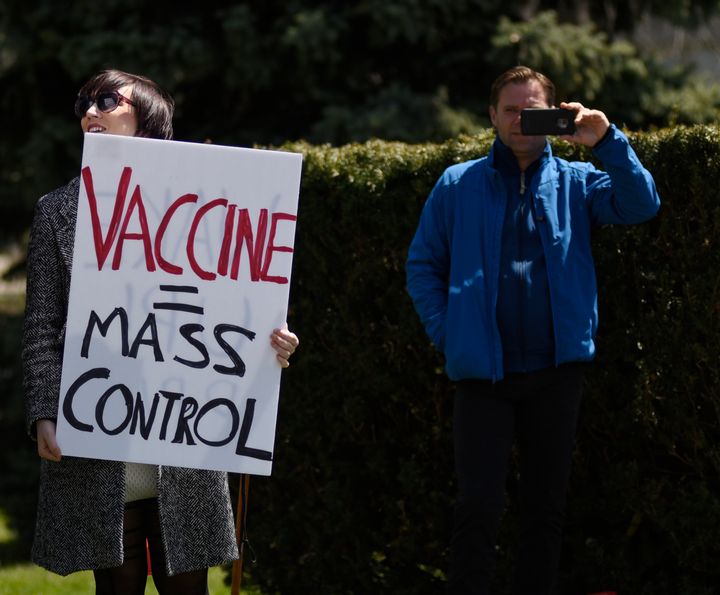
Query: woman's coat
81,501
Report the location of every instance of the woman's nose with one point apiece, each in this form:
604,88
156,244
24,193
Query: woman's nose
93,110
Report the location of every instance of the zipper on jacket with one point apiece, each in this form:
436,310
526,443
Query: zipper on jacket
522,183
543,230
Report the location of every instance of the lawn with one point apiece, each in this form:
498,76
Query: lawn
28,579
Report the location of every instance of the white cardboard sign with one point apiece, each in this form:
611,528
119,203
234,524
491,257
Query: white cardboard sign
181,270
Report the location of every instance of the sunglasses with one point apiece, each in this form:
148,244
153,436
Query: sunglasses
106,102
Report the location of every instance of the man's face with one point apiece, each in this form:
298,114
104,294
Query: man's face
513,98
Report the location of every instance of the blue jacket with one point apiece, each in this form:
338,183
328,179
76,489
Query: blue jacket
453,261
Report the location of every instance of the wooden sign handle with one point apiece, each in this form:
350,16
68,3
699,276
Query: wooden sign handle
240,524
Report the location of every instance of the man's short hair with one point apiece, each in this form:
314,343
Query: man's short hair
154,106
521,74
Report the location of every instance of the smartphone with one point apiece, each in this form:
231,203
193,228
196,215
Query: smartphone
541,121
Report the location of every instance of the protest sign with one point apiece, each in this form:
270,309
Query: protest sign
181,270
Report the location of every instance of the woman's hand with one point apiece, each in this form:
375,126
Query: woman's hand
284,343
47,445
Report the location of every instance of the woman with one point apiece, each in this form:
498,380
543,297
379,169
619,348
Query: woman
96,514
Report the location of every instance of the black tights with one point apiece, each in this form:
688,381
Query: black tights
143,522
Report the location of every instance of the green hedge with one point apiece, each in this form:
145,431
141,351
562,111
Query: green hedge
361,495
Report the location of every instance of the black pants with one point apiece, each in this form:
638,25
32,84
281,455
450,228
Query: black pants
540,411
142,522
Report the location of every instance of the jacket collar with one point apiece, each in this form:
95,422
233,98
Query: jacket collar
502,159
67,217
69,206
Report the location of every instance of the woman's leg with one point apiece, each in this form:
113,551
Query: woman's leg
187,583
130,578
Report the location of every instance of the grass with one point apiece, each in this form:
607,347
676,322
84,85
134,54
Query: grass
7,533
28,579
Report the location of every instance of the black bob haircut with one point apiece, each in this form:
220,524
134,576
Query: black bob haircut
154,106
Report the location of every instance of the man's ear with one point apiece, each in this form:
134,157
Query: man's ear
493,114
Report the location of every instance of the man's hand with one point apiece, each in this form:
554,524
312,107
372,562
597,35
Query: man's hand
590,124
284,343
47,445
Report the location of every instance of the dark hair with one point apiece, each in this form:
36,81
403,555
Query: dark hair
521,74
153,105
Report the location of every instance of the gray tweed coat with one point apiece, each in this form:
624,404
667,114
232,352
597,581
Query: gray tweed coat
80,508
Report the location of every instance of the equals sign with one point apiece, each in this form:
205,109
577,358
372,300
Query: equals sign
179,307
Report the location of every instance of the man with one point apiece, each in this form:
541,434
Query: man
501,273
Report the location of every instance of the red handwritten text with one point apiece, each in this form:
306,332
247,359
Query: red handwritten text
239,233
